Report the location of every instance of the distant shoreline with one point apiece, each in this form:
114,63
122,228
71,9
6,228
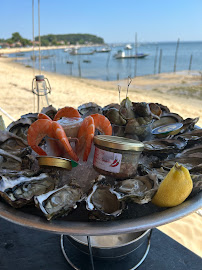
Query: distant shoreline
43,48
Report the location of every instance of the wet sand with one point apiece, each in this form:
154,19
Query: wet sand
181,92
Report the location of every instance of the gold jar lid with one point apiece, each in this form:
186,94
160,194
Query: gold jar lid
119,143
55,162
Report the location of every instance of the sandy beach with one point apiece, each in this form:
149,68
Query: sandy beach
180,91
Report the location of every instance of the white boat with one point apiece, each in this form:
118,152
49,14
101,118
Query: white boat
74,51
67,49
128,47
121,55
103,50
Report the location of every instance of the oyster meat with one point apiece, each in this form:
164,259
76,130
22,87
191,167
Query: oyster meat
21,190
59,202
102,201
139,189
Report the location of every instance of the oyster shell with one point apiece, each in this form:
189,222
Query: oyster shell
141,109
11,143
155,109
20,127
193,137
168,118
89,108
140,127
163,147
139,189
188,124
9,161
50,111
59,202
110,106
21,190
102,201
190,163
126,109
164,108
114,117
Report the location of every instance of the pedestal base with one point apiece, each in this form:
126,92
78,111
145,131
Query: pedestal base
80,261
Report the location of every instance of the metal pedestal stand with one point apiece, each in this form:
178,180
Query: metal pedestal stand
92,259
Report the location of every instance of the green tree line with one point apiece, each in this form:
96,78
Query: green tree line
48,40
70,39
16,37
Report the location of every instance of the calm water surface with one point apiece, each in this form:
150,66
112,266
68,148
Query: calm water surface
104,66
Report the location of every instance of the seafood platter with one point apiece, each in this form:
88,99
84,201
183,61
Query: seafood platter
94,170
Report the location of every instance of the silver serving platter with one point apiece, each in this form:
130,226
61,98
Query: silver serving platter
101,228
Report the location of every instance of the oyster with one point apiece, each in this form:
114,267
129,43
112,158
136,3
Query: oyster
50,111
114,117
141,109
20,127
89,108
9,161
168,118
163,147
11,143
193,137
197,182
21,190
103,202
155,109
188,124
126,109
59,202
195,152
110,106
163,108
140,127
139,189
190,163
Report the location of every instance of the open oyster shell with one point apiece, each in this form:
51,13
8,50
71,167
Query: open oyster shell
19,191
20,127
102,201
139,189
89,108
9,161
59,202
50,111
11,143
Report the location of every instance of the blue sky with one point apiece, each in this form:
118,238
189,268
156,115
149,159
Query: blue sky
113,20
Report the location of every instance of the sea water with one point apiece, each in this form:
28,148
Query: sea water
104,66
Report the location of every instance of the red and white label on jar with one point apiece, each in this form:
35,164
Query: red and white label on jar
107,161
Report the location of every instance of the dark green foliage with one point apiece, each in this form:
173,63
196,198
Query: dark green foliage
70,39
16,37
51,39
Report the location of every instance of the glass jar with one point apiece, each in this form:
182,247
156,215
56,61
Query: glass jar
71,125
116,156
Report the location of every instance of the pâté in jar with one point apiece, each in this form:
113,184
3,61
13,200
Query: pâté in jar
116,156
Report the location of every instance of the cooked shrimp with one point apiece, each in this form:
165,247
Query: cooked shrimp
44,116
102,124
85,136
68,112
59,134
54,146
36,132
